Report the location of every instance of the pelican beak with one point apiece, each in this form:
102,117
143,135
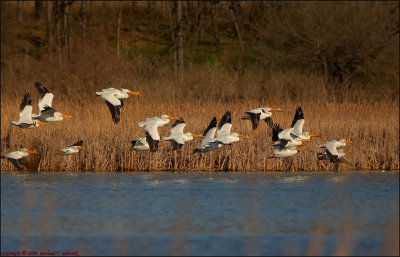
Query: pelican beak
299,148
242,136
172,118
347,151
275,109
81,148
197,135
244,118
32,151
273,142
160,144
41,123
305,140
313,134
271,156
348,142
66,116
134,93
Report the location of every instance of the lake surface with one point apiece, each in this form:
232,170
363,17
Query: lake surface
200,213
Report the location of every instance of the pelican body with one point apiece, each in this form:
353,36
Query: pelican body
113,99
73,149
25,114
263,113
151,126
18,158
177,137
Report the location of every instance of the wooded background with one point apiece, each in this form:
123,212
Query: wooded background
328,51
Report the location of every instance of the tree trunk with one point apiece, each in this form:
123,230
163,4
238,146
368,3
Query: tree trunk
133,4
20,5
232,10
180,40
66,28
38,9
171,26
49,27
83,20
119,27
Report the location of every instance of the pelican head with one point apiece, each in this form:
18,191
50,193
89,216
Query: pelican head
127,91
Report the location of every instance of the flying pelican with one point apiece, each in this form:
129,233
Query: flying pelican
25,114
340,157
113,98
224,134
283,137
150,129
140,144
72,149
46,112
19,158
297,125
332,148
263,113
209,135
284,152
177,137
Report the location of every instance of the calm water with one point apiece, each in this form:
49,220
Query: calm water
205,214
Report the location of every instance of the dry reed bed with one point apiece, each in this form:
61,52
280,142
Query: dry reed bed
374,127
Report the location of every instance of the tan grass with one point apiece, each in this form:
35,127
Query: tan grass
373,127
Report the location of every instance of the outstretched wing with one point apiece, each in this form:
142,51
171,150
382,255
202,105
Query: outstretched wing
209,133
79,143
332,157
255,118
225,125
269,121
298,121
18,163
115,112
177,128
153,144
276,128
25,109
45,98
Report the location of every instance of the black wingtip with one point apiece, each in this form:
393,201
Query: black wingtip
276,128
42,89
178,122
299,115
227,118
213,124
26,101
79,143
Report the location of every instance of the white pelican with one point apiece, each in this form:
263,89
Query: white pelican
25,114
284,152
297,125
340,157
263,113
331,148
140,144
46,112
113,98
72,149
283,137
177,137
150,129
18,158
224,134
209,135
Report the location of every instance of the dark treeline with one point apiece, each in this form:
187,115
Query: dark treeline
346,44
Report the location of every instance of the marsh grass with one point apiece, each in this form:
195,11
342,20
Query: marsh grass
373,127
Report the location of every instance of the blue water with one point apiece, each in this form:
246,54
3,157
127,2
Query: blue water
200,214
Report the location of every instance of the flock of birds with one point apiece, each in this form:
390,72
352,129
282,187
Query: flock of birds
286,142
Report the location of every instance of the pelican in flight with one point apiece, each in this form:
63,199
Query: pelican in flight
258,114
177,137
209,135
333,151
25,114
46,112
19,158
113,99
297,125
284,144
140,144
332,158
151,126
224,134
284,152
284,138
73,149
